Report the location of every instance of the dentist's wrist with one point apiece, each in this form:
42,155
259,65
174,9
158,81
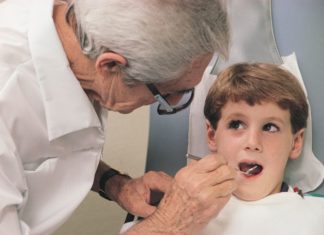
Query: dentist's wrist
110,183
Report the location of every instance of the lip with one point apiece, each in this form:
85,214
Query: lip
250,176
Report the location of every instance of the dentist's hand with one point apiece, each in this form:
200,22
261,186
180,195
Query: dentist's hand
198,192
134,194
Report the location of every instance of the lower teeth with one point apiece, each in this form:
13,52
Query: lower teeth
250,169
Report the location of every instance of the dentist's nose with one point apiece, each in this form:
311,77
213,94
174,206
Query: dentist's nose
253,141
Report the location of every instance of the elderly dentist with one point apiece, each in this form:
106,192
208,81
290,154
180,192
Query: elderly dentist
60,66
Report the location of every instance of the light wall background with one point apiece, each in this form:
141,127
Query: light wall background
125,150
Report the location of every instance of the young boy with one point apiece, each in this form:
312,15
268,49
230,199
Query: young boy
256,118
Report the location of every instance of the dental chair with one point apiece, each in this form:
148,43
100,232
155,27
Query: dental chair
279,28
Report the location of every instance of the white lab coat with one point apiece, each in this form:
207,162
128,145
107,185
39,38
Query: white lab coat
50,135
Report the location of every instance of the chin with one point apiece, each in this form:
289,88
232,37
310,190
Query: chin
121,110
124,111
249,196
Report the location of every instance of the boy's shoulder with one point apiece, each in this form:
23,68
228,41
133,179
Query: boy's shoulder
314,203
314,198
314,195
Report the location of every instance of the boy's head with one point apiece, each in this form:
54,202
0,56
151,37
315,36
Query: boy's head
256,115
256,83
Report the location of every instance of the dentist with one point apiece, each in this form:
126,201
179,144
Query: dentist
61,67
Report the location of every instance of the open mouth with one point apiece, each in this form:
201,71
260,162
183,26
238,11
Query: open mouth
250,169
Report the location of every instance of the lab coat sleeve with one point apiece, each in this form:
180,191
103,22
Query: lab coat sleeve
13,190
10,223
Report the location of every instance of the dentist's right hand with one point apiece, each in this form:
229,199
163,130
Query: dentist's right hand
198,193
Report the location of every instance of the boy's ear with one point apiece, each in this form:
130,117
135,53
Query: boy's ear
109,63
211,137
297,145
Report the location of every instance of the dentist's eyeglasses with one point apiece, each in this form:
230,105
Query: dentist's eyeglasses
164,107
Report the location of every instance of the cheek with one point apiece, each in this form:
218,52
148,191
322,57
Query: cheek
230,153
194,76
279,148
227,146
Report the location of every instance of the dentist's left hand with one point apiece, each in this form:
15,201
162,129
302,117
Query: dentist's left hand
134,194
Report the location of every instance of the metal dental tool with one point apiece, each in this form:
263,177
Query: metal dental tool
248,172
193,157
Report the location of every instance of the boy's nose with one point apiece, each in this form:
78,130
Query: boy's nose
253,142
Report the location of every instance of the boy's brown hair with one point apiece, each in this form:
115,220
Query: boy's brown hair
256,83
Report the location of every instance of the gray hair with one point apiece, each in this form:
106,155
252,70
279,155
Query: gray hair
159,38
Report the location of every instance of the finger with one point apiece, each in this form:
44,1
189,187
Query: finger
209,163
221,174
196,170
211,194
143,209
158,181
142,190
199,181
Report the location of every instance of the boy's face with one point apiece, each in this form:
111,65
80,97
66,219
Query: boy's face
258,137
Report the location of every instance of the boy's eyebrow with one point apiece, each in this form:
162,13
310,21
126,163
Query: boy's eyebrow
235,115
276,119
241,115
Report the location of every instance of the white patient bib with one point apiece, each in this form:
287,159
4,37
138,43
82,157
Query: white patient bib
284,213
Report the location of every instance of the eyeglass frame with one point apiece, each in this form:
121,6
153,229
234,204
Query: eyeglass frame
162,100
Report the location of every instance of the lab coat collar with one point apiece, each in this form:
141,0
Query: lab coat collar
67,107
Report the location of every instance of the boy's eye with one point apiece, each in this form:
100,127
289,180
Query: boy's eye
270,127
235,124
